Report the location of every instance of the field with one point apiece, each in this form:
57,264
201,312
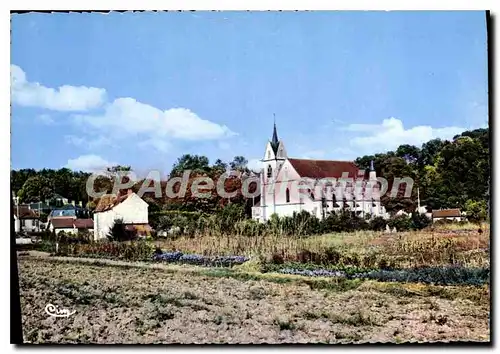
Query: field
118,301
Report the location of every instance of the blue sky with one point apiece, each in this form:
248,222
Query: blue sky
141,89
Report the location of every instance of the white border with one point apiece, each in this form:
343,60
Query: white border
191,5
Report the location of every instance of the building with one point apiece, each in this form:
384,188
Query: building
70,211
70,225
26,219
129,208
447,214
291,185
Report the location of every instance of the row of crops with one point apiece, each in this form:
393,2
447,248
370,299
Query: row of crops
446,275
196,259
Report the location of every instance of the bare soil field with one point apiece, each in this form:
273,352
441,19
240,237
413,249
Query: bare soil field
116,303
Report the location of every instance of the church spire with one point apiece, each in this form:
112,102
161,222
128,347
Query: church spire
274,140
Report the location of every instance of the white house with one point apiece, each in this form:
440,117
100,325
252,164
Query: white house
291,185
26,219
447,214
129,208
71,225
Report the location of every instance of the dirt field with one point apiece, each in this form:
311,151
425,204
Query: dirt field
145,304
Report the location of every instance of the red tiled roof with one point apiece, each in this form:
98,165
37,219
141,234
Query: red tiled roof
62,223
324,168
109,201
446,213
84,223
25,212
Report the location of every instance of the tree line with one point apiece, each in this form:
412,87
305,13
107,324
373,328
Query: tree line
448,174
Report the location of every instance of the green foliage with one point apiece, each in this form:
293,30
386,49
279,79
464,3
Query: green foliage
34,186
43,217
476,210
448,173
119,233
91,205
71,238
378,223
419,221
35,189
131,251
194,163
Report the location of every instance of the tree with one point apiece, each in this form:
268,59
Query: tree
463,169
113,170
239,163
195,163
410,153
18,178
476,210
429,152
219,166
36,189
118,232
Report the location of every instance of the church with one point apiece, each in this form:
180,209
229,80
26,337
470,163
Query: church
289,185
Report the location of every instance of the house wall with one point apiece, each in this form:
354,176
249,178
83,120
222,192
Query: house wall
28,225
133,210
69,230
103,222
456,218
273,196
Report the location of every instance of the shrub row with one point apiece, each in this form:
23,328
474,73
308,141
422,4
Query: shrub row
434,275
195,259
131,251
231,220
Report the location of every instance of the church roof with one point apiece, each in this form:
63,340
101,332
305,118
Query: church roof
324,168
274,140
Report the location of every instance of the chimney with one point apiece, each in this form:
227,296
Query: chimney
130,191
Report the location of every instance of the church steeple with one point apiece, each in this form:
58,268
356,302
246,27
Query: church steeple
274,140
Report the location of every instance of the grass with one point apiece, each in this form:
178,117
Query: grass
441,246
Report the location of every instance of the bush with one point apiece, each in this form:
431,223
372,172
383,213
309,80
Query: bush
476,210
132,251
419,221
71,238
378,223
401,223
119,233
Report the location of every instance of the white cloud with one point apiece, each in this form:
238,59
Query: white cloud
255,165
89,143
158,144
89,163
313,154
64,98
45,119
125,118
391,133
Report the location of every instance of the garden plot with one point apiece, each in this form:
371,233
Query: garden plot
166,304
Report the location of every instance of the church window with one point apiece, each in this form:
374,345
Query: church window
269,171
269,154
287,195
